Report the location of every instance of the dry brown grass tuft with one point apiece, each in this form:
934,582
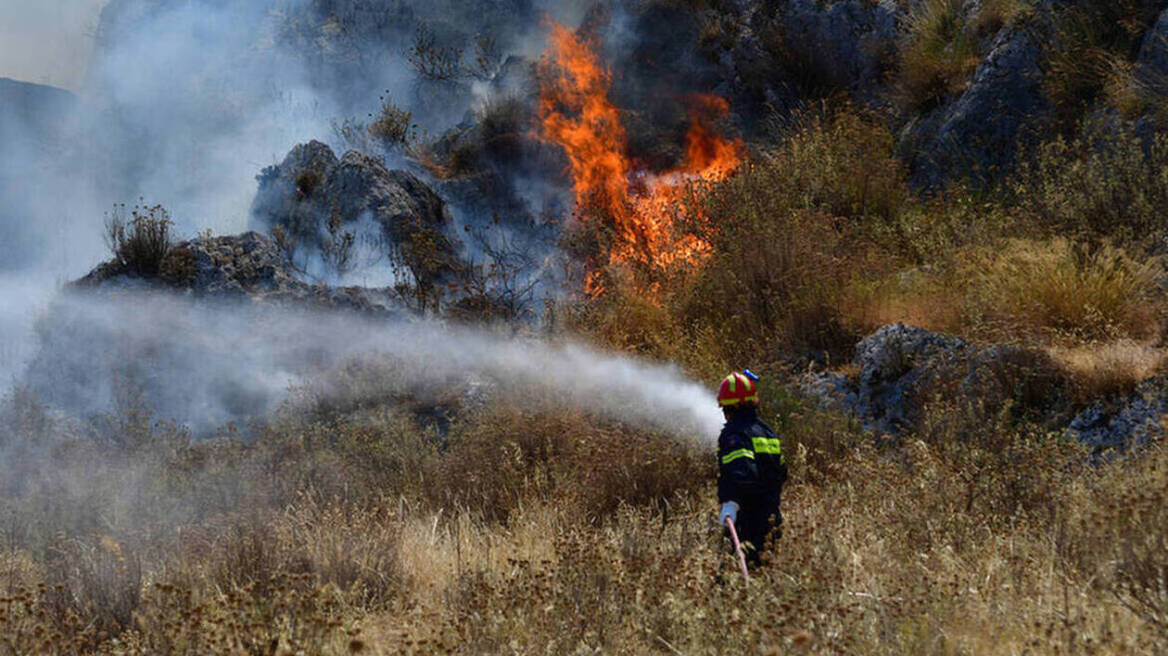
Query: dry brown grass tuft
1063,288
1109,369
938,55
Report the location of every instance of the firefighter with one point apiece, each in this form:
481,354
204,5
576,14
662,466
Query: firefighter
751,469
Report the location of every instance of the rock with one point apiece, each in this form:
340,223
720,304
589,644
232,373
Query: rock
1132,421
780,56
895,362
903,368
1152,62
250,267
32,108
315,198
834,391
852,40
978,133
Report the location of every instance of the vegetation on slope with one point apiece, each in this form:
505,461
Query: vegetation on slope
356,523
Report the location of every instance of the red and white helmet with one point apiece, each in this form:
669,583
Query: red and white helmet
736,389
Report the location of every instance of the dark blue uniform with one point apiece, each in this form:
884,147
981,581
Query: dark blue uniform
751,472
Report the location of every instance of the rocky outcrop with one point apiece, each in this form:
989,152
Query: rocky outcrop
902,369
779,56
1133,420
851,41
1152,64
31,108
315,200
979,132
248,267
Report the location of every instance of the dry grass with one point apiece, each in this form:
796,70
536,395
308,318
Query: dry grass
536,530
1091,44
1110,369
938,55
1065,289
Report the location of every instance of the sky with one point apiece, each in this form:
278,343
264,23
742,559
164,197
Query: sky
47,41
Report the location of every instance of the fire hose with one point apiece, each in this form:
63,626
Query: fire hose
738,549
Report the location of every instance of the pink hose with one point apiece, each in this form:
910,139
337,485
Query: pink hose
738,548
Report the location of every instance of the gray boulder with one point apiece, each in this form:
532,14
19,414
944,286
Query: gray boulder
904,368
1152,62
895,363
316,199
978,133
1132,421
851,42
249,267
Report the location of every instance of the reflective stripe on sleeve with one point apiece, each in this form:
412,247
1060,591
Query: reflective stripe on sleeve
735,455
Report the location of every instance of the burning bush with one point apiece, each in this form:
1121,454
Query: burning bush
633,217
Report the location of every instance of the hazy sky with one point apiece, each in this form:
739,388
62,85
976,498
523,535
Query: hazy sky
47,41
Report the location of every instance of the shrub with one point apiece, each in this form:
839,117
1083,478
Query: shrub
1089,44
502,123
140,245
393,125
1107,182
938,54
432,60
842,164
98,579
996,14
1062,288
774,281
179,267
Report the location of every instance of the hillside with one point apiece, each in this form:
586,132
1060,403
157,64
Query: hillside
445,384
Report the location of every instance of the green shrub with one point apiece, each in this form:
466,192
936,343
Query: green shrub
842,164
1109,182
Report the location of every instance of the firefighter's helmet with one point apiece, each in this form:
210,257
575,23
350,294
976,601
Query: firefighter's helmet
735,390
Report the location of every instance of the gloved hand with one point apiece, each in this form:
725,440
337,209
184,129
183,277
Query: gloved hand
729,510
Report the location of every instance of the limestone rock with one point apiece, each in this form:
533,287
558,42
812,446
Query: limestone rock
315,198
904,368
978,133
1135,420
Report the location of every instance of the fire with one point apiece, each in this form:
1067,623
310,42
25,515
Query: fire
644,207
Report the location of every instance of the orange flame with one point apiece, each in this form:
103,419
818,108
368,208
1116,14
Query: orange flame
645,207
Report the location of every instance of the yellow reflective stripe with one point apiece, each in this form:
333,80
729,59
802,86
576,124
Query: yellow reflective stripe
767,445
733,380
735,455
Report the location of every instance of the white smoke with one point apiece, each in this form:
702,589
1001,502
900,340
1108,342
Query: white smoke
183,105
204,364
